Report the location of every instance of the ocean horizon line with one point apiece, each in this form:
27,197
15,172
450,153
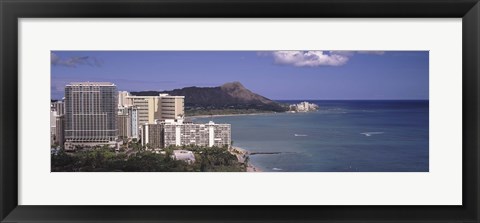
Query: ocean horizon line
350,99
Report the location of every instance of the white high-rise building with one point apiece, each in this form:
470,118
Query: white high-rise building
177,133
127,119
151,108
53,126
172,107
60,130
122,99
57,123
208,134
59,107
134,124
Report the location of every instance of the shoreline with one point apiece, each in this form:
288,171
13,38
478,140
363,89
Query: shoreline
248,114
241,155
228,115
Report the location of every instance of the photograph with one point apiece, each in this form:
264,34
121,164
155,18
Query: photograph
239,111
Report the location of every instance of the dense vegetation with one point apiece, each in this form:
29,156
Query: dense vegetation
104,159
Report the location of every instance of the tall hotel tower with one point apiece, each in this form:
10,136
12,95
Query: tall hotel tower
90,113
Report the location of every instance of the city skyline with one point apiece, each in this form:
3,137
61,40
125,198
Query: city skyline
277,75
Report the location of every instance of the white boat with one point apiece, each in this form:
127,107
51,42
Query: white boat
371,133
299,135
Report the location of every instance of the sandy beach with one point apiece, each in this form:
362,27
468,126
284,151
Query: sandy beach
241,153
241,156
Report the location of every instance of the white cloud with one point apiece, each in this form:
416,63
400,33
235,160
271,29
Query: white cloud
309,58
344,53
314,58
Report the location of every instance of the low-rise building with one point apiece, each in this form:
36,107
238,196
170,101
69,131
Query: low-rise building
184,155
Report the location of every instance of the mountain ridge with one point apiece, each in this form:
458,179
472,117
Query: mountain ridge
231,95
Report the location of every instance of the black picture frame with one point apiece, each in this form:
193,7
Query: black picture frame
12,10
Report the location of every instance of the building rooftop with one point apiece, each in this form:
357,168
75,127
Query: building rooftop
187,122
170,96
88,83
184,155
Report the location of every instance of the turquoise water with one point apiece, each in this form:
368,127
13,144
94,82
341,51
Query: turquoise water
343,136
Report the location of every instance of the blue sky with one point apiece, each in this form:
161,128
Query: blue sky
332,75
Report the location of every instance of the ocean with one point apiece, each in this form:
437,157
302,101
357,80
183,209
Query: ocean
342,136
